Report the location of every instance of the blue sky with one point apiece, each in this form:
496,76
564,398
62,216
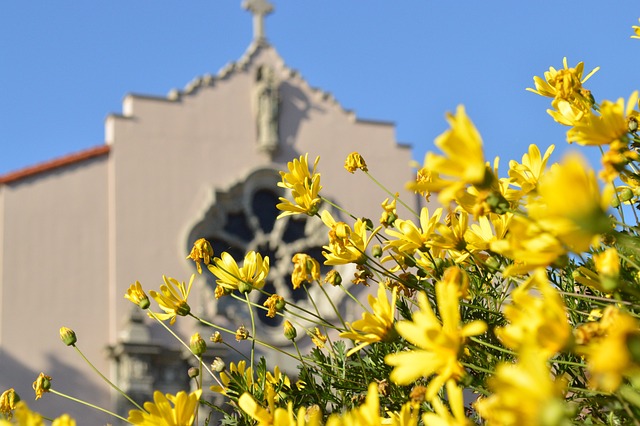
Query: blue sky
64,66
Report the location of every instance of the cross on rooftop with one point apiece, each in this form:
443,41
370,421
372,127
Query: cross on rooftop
259,9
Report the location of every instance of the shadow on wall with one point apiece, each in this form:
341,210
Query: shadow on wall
69,380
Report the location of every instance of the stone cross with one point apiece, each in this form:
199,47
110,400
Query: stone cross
259,9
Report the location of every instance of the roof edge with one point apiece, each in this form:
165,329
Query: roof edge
56,163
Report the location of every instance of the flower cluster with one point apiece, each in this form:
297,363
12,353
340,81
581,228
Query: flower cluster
520,289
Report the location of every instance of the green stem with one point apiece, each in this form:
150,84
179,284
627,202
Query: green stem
392,195
79,401
120,391
253,330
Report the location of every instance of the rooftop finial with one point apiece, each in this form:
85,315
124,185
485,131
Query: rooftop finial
259,9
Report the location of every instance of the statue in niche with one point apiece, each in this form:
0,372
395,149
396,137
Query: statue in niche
267,108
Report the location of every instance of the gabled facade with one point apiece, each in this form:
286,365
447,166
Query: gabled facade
202,162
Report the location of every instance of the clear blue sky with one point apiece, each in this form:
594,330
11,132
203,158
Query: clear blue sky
64,66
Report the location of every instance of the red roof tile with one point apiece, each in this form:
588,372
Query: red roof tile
55,163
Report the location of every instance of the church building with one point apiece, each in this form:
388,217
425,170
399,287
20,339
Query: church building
77,231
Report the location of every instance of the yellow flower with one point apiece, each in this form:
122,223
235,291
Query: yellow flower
318,338
389,212
136,294
305,270
608,357
172,299
41,385
304,185
523,393
608,267
408,237
529,245
355,161
611,124
537,316
527,174
23,416
493,227
201,251
68,336
442,417
64,420
252,274
368,414
161,412
636,31
571,206
238,374
451,237
346,246
565,84
438,343
376,326
463,158
8,401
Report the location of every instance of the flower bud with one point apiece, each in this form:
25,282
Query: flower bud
244,287
41,385
376,251
632,124
68,336
193,372
290,331
218,365
197,344
626,194
183,309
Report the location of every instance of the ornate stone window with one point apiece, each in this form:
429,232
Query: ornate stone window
243,218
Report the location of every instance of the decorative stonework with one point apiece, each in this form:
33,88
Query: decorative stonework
242,219
266,105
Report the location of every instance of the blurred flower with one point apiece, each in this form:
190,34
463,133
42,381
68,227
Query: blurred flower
463,160
216,337
64,420
252,274
172,299
366,414
355,161
611,124
304,185
442,416
201,251
527,174
609,358
376,326
305,270
23,416
136,295
41,385
523,393
537,317
636,31
437,343
161,412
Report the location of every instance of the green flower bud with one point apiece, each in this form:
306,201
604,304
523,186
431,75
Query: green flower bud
626,194
197,344
193,372
290,331
68,336
376,251
183,309
244,288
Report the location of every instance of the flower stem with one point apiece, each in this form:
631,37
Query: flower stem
79,401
